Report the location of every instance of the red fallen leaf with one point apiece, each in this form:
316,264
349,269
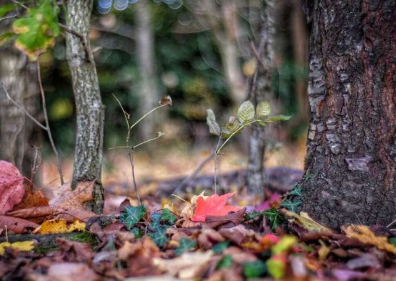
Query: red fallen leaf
214,205
11,186
16,225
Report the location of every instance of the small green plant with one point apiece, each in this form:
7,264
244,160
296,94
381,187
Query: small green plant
246,116
166,101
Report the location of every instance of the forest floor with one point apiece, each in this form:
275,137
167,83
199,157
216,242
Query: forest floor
188,236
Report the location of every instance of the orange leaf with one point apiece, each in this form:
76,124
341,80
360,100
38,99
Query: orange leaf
214,205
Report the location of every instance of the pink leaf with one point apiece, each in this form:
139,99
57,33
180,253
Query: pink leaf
11,186
214,205
266,205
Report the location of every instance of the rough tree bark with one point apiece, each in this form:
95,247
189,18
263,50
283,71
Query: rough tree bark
149,93
261,91
19,77
351,159
90,110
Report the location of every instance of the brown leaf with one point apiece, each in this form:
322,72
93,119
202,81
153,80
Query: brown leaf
235,218
166,101
208,237
17,225
237,234
31,199
11,186
68,271
74,199
79,252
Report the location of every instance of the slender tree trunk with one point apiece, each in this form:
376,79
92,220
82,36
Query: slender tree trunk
261,91
149,93
90,110
351,159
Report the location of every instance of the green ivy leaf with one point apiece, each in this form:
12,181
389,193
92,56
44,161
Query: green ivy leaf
168,216
246,112
220,247
225,262
254,269
274,217
155,221
263,109
253,215
278,118
132,215
184,246
291,205
296,191
159,236
214,128
6,8
38,30
137,233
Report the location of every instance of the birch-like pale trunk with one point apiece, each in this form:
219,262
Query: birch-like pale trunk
148,88
261,91
90,110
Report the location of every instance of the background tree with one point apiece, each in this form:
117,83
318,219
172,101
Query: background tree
261,91
90,110
145,56
19,77
350,165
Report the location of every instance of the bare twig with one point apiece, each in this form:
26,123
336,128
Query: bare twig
256,52
9,17
20,4
36,162
216,163
82,39
47,123
194,173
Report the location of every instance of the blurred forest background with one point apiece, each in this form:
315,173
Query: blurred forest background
199,53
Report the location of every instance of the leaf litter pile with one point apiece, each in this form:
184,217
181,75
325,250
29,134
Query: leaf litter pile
196,238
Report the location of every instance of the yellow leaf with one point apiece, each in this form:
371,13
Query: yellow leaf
323,251
21,246
365,235
59,226
305,221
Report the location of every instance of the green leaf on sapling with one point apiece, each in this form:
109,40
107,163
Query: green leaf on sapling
246,112
263,109
278,118
184,246
254,269
214,128
232,124
6,8
37,31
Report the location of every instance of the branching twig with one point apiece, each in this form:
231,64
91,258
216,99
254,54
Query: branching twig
47,123
194,173
9,17
82,39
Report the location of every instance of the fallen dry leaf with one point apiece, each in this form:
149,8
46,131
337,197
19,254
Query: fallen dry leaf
306,221
73,199
67,271
366,236
24,246
16,225
31,199
188,265
59,226
11,186
214,205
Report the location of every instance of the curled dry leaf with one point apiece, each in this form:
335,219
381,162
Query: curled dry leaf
188,265
59,226
366,236
166,101
305,221
11,186
17,225
74,199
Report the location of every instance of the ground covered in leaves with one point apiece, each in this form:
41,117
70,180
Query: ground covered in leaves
229,236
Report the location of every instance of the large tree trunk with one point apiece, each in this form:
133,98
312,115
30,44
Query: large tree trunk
351,160
262,91
148,88
90,110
